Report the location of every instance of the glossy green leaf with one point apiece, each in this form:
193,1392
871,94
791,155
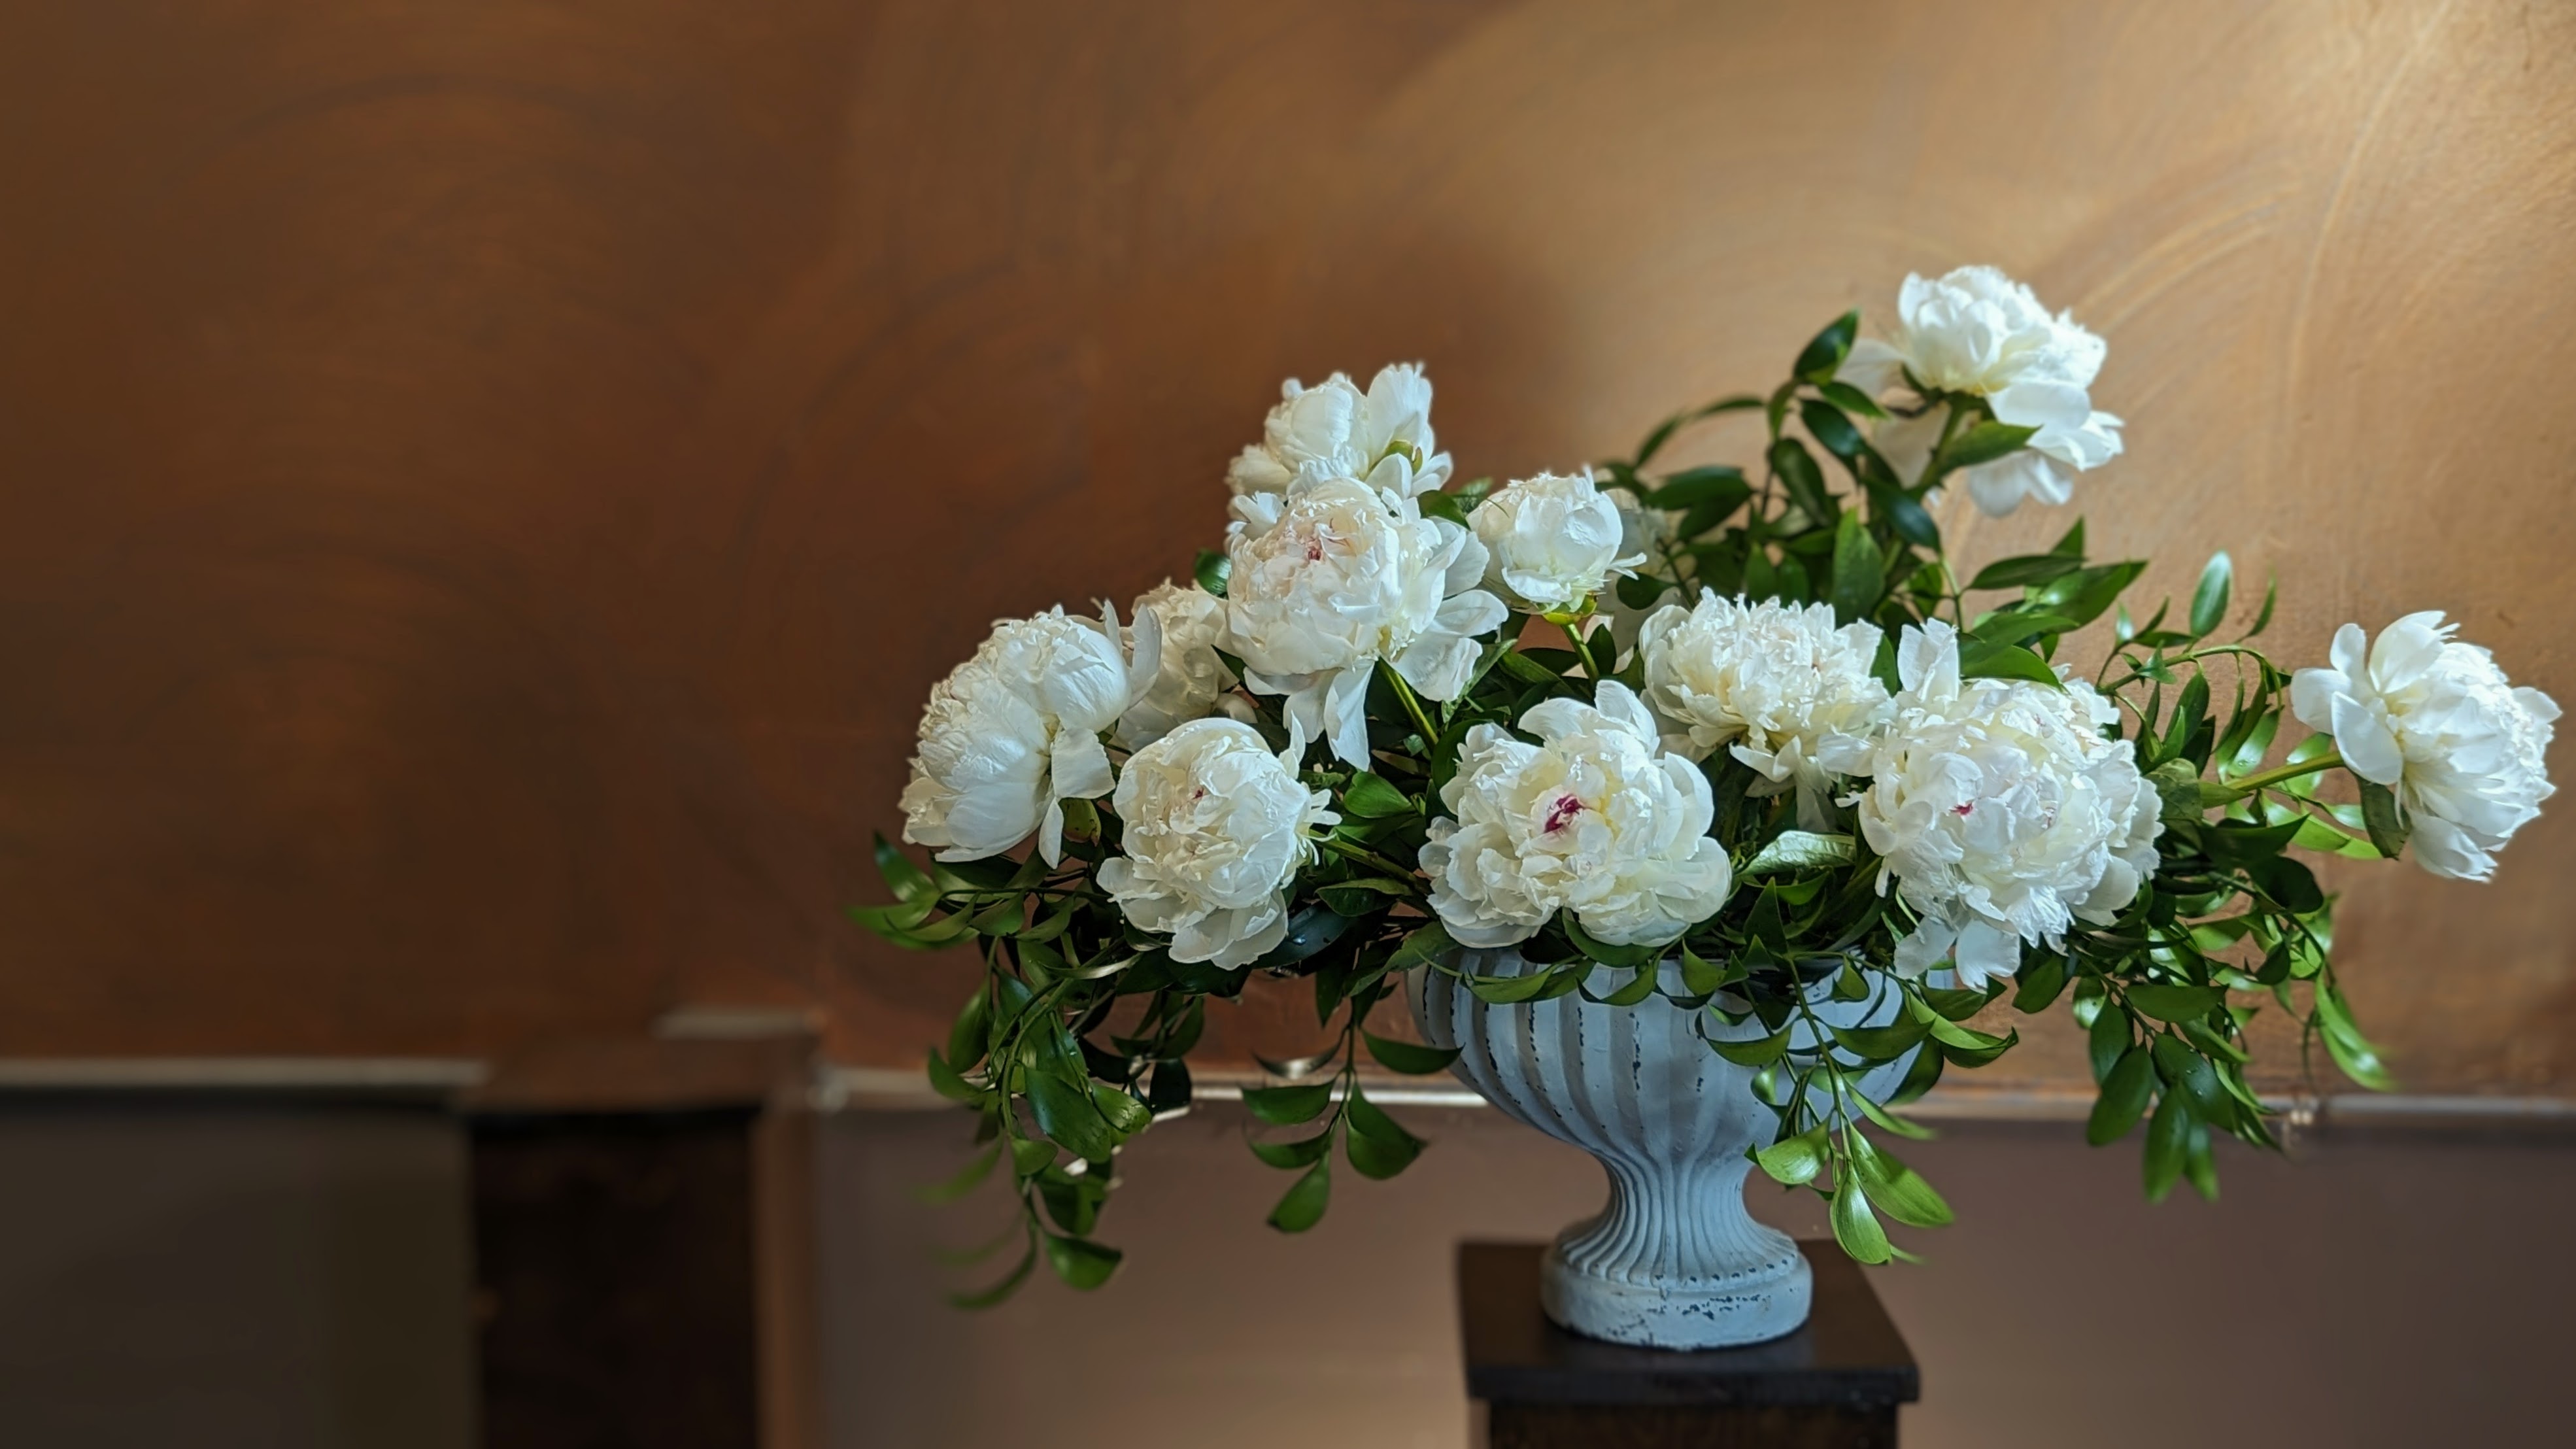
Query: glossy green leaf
1427,944
966,1037
1983,443
1881,1043
1120,1110
2038,985
2170,1002
1302,1206
1859,572
1797,471
1794,1161
1372,798
1896,1189
2209,597
1855,1226
2024,570
1376,1144
1700,977
2380,815
1067,1115
1981,660
1410,1058
1824,354
2168,1136
1758,1052
946,1082
1080,1262
1831,430
2123,1099
1283,1106
2106,1037
1302,1152
1796,850
1505,990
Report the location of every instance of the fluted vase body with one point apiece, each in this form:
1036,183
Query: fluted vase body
1673,1260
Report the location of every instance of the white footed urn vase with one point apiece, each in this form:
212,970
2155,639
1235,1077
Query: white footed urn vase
1673,1260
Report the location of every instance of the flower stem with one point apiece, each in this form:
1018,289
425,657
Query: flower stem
1368,857
1412,706
2252,783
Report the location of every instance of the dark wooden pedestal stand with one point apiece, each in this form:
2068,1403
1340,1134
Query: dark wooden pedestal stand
1833,1384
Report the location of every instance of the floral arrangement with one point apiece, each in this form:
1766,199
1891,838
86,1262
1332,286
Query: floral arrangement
1750,721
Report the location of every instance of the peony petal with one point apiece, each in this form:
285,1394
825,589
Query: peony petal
1079,767
2446,850
1984,952
1620,704
1051,834
2313,693
1926,948
2349,652
1345,709
1872,366
2042,405
2367,746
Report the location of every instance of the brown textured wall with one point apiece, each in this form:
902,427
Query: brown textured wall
489,483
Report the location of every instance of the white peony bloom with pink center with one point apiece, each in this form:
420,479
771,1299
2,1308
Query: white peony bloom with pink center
1595,820
1213,827
2001,812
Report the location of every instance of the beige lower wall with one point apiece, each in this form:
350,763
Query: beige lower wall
2382,1290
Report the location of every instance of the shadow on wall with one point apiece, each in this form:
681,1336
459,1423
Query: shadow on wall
231,1276
2386,1303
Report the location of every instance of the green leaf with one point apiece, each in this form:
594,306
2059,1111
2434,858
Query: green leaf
906,880
1009,1285
946,1082
1080,1262
2012,626
1120,1110
2024,570
1760,1052
1031,1155
1377,1146
1302,1206
1889,1120
2168,1136
1699,487
2072,544
2039,986
1981,660
2183,1067
2380,815
2167,1002
966,1039
2209,599
1794,1161
1898,1190
1410,1058
1796,850
1827,425
1213,569
1859,572
1304,1152
1855,1226
2263,617
1640,985
1605,953
1881,1043
1426,945
1372,798
1283,1106
1902,513
1798,473
1851,399
1824,354
2352,1052
1505,990
1983,443
2106,1038
965,1180
2124,1098
1068,1116
1701,978
2198,1167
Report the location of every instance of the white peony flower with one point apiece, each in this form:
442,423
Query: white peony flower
1979,331
1331,578
2001,811
1382,435
1595,820
1015,731
1190,676
1643,531
1777,684
1553,541
2435,721
1214,827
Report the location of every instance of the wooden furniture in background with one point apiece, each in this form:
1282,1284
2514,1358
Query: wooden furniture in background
1835,1383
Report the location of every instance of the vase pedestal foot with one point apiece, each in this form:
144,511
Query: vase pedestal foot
1749,1307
